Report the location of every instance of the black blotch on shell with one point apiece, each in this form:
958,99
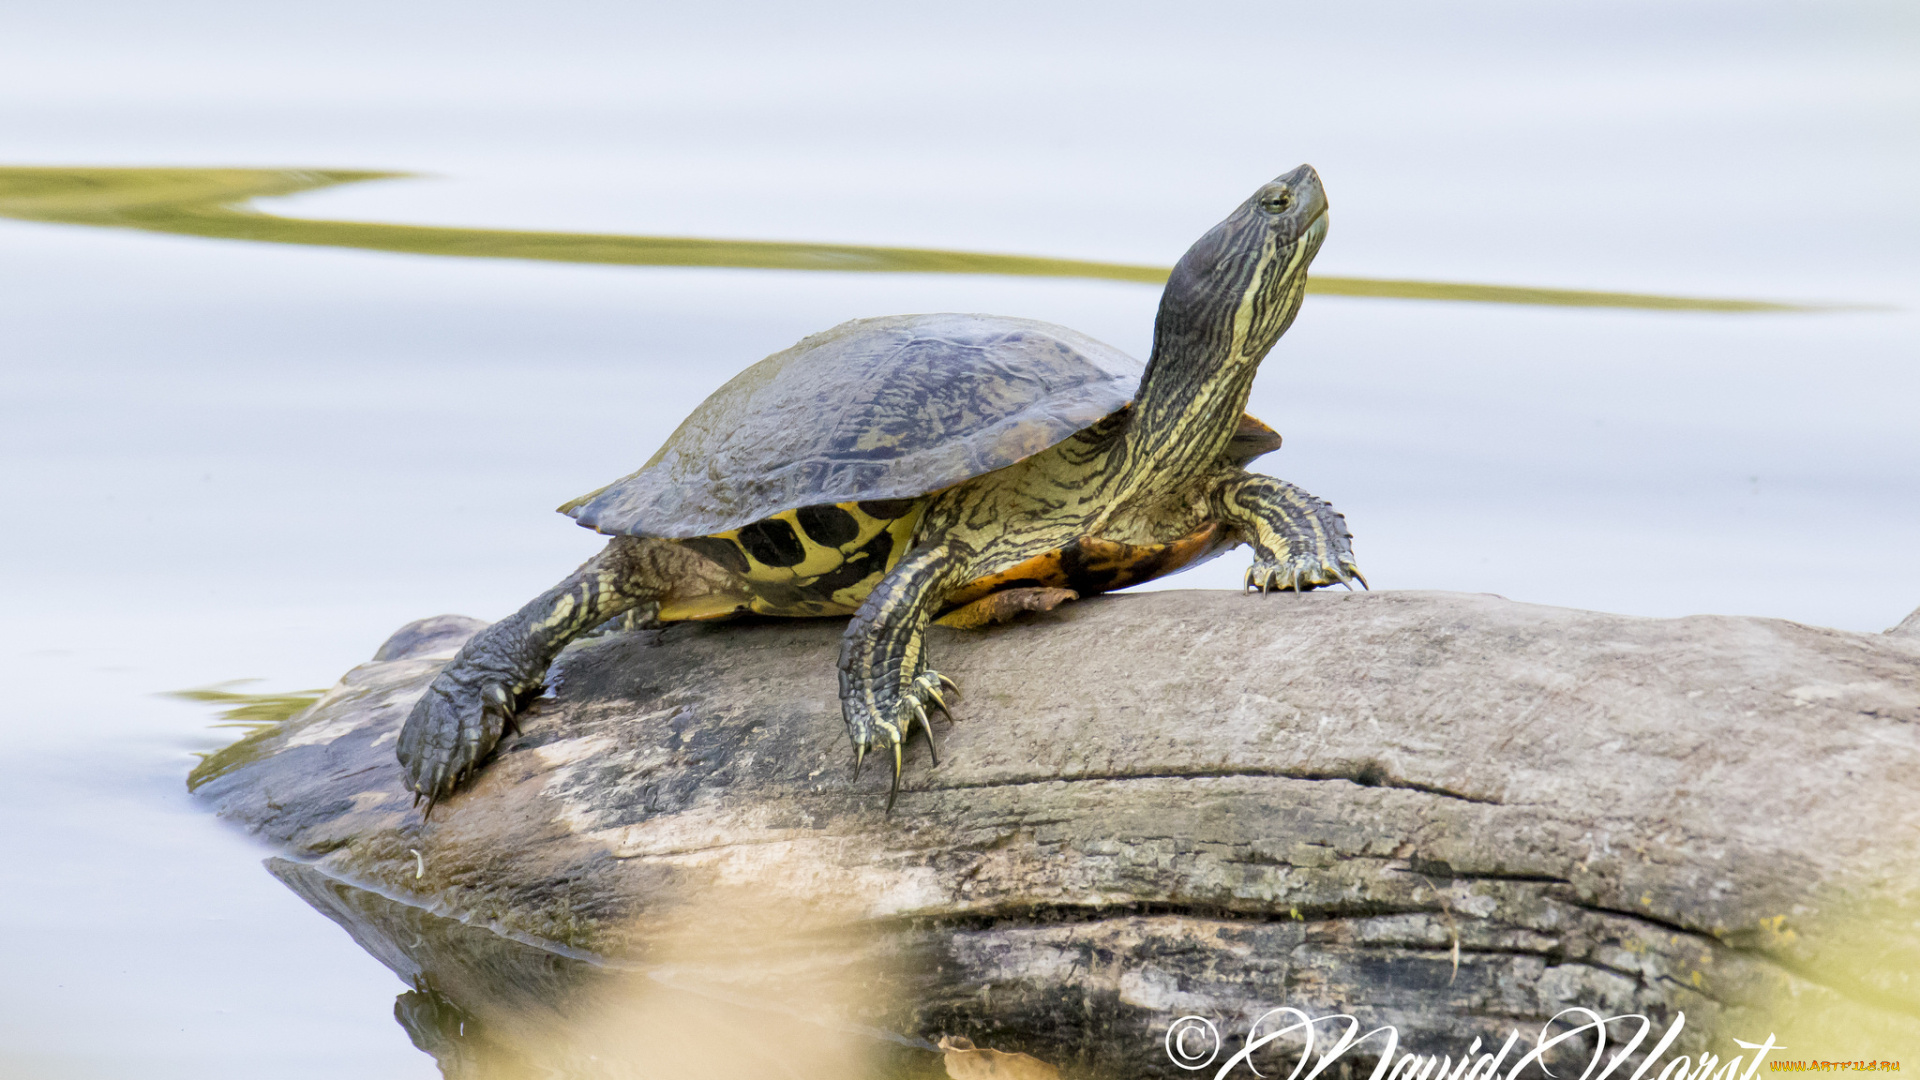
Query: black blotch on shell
720,551
828,525
859,565
772,543
886,509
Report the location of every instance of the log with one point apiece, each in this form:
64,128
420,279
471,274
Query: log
1450,813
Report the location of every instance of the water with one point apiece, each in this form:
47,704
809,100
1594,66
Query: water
228,460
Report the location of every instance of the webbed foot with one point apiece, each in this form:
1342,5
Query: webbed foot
452,727
888,725
1301,573
459,719
1299,542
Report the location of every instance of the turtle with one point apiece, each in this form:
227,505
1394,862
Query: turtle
957,467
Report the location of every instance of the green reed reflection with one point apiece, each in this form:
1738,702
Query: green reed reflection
248,711
257,715
214,203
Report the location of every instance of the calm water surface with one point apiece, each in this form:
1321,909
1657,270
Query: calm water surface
221,460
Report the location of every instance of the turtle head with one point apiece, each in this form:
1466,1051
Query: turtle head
1237,289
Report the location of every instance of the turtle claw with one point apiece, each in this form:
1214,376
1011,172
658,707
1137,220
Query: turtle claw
896,724
926,691
501,703
1264,581
1300,574
893,792
451,728
926,725
934,699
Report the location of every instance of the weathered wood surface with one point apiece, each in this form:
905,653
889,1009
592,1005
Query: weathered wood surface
1451,813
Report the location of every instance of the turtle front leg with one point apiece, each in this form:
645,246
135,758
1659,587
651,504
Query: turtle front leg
885,685
461,716
1299,542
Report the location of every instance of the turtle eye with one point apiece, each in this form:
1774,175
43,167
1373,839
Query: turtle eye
1277,201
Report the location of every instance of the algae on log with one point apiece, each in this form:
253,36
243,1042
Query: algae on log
1450,813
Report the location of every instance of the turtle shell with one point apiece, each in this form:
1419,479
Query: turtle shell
886,408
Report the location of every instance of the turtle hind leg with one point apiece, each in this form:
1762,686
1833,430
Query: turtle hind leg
1299,542
886,687
460,718
641,616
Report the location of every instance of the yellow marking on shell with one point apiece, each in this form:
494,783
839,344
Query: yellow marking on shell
821,559
701,608
877,438
901,529
1022,441
773,586
804,609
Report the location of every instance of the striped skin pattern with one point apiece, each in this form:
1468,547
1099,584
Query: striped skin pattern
1145,491
474,698
1297,539
1153,474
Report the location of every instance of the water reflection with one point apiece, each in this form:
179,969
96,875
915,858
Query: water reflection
473,989
731,996
213,203
255,715
249,712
